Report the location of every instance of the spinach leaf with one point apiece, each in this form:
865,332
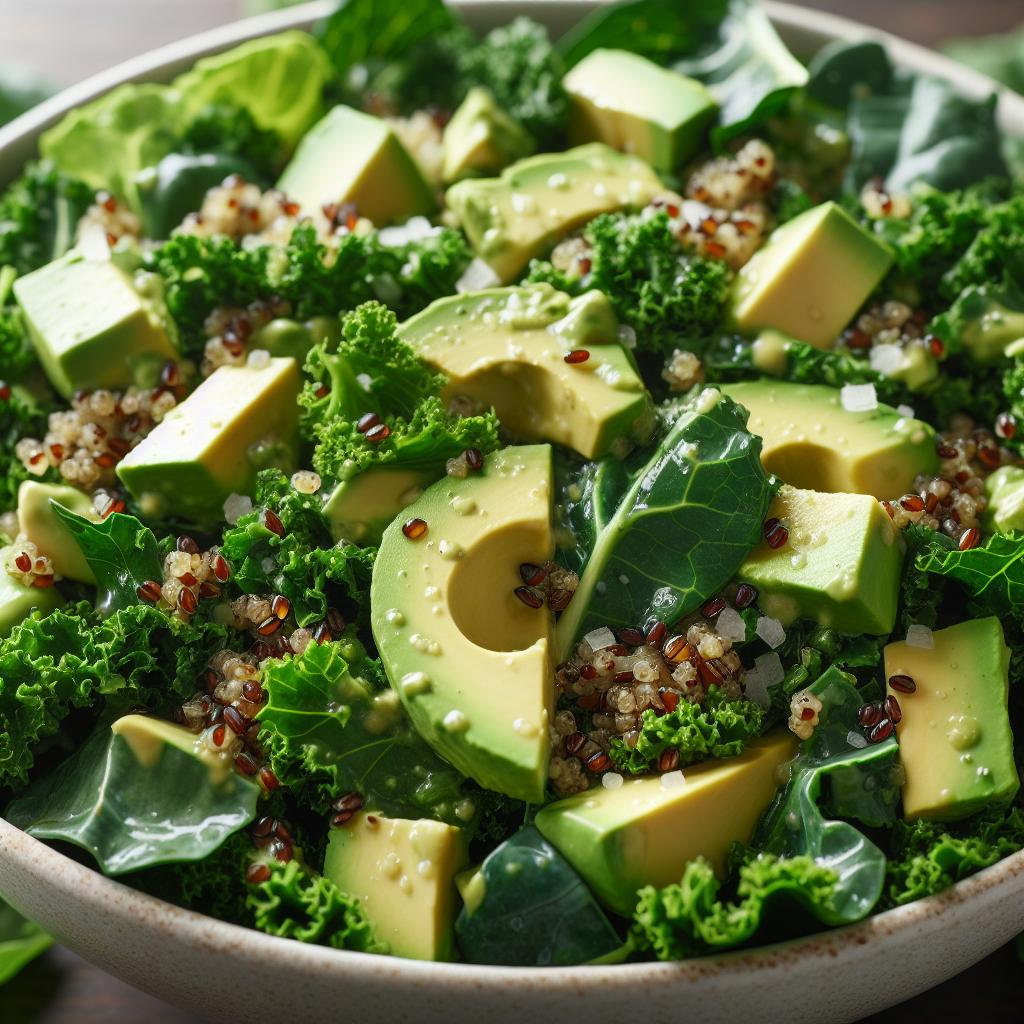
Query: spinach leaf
674,531
992,574
121,552
329,731
137,794
862,783
20,942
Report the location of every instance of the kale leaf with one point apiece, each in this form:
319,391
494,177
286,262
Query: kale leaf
22,414
992,574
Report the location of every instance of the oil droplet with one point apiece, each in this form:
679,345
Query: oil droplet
524,728
392,866
431,592
450,551
464,506
394,617
415,683
455,721
963,731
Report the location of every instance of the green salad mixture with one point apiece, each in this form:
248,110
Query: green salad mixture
517,500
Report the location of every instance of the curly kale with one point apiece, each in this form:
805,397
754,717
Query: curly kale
38,215
927,857
22,414
691,917
984,320
304,564
665,294
70,659
697,732
231,129
293,903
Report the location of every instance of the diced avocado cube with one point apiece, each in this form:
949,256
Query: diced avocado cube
634,105
445,612
359,509
239,420
402,871
537,201
38,523
646,831
1005,490
810,277
91,326
505,347
17,600
351,157
841,565
481,138
955,739
812,441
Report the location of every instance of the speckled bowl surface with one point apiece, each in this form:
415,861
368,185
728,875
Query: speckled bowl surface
239,975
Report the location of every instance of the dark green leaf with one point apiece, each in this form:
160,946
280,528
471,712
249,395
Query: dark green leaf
134,800
20,942
992,574
121,552
690,515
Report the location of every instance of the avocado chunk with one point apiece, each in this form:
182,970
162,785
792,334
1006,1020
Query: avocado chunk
526,907
810,277
481,138
38,523
17,600
633,105
402,871
955,739
537,201
506,348
239,420
841,565
359,509
812,441
1005,490
91,325
471,662
351,157
646,831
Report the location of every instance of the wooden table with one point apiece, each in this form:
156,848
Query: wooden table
68,39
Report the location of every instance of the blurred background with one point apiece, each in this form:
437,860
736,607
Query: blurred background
47,44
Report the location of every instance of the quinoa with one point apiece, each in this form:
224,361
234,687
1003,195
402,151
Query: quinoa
804,709
879,203
682,371
108,219
229,328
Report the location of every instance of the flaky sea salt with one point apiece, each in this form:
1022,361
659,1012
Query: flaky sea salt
856,739
413,230
906,411
258,359
673,780
920,636
769,668
755,689
600,638
611,780
236,506
886,359
730,624
476,276
770,631
858,397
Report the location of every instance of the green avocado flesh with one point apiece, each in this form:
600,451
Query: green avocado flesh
506,349
470,662
17,600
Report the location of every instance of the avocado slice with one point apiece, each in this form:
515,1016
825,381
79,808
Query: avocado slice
646,831
811,441
955,739
537,201
840,567
810,277
38,523
352,157
1005,490
470,662
17,601
506,348
402,871
359,509
481,138
633,105
239,420
92,325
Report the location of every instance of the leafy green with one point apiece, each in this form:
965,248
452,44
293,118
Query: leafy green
67,659
20,90
1000,57
230,129
928,857
992,574
921,595
39,212
671,531
293,903
985,319
535,910
121,552
863,784
21,415
305,565
717,728
133,808
20,942
690,917
329,732
278,79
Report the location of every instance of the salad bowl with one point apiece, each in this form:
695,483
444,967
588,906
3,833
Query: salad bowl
223,971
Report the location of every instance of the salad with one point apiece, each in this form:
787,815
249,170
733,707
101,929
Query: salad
517,500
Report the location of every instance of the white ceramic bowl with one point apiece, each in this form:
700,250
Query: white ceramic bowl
239,975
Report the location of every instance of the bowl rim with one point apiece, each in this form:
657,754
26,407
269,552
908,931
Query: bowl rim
17,144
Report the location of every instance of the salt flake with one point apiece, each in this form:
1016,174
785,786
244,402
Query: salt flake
731,625
858,397
476,276
769,668
920,636
236,506
886,359
770,631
